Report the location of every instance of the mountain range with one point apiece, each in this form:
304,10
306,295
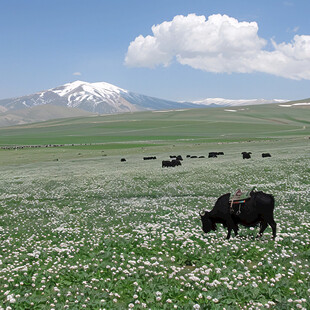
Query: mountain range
82,98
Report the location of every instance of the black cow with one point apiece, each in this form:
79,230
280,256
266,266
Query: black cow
266,155
172,163
179,157
149,157
176,162
166,163
258,209
123,159
246,155
212,155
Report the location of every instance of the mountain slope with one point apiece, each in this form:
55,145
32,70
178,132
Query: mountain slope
38,114
103,98
305,101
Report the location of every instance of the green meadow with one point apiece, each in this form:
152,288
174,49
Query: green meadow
81,229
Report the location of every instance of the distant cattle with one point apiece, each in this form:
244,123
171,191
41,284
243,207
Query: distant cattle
215,154
123,159
179,157
172,163
212,155
166,163
266,155
188,156
201,156
149,157
176,162
173,156
246,155
194,156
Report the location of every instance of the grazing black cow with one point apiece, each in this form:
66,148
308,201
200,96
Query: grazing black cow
123,159
201,156
149,157
246,155
188,156
212,155
176,162
194,156
266,155
179,157
258,209
172,156
172,163
165,163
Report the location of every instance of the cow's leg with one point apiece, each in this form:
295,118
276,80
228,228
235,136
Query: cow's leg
236,230
273,225
228,234
263,226
231,226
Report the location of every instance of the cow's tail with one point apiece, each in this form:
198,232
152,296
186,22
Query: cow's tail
272,201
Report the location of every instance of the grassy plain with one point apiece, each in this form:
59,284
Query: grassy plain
79,229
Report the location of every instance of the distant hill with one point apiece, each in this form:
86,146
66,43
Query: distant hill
304,101
221,102
38,114
270,121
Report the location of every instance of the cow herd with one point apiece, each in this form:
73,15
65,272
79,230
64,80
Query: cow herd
247,155
176,160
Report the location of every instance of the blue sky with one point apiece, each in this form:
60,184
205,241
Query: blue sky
263,51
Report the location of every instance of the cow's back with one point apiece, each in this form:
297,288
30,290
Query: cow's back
259,207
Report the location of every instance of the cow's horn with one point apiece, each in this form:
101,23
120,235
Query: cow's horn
202,213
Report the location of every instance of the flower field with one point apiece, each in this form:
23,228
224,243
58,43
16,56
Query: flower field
95,233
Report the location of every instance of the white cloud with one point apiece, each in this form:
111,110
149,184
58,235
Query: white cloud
77,73
219,44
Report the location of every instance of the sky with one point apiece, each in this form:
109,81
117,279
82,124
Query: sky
170,49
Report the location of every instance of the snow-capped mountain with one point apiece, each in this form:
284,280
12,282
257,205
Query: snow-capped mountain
99,97
221,102
105,98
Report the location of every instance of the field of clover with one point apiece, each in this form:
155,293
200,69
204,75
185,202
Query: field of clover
100,234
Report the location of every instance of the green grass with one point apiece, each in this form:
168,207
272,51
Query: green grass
87,231
247,123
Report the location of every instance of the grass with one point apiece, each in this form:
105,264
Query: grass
213,124
87,231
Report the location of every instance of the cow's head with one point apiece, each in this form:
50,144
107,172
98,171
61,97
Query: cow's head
207,223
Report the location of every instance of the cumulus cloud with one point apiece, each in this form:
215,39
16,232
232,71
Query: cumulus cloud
219,44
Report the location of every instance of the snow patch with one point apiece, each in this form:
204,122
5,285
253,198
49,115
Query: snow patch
294,104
